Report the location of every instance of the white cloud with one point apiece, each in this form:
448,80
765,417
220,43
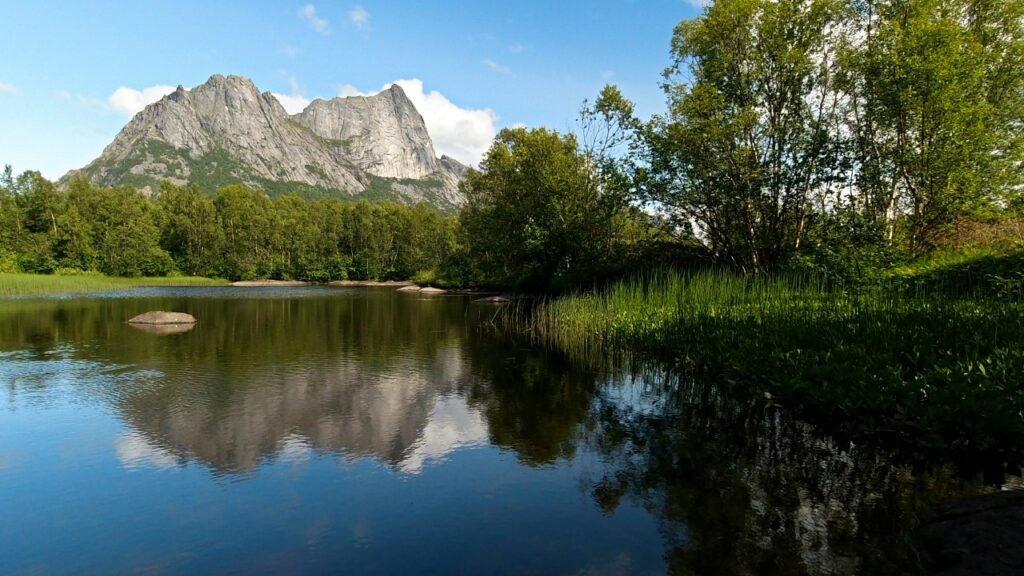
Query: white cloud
452,426
517,48
129,101
699,3
292,104
461,133
308,15
291,51
296,101
347,90
134,452
9,89
359,17
607,74
495,66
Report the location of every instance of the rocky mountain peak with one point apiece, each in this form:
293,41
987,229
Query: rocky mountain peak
225,131
383,134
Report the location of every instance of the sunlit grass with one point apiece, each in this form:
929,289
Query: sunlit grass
43,284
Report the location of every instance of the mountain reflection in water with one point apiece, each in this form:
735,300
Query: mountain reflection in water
513,457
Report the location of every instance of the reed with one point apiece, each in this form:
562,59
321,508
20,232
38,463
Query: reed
45,284
944,371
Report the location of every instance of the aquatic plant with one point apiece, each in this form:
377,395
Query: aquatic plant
900,362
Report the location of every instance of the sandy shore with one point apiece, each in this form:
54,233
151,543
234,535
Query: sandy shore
252,283
393,283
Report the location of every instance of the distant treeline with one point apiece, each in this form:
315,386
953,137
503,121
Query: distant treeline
238,234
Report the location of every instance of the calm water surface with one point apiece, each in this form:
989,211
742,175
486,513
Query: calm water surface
364,431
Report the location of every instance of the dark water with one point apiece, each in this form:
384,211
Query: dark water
364,431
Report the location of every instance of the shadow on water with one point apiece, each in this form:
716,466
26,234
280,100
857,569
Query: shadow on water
734,486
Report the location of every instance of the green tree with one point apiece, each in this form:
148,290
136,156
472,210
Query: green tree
747,143
190,230
250,232
11,226
73,247
40,204
536,215
937,94
122,225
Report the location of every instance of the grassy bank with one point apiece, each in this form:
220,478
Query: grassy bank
943,372
42,284
990,271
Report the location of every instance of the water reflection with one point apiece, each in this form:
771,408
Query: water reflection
742,489
398,415
721,484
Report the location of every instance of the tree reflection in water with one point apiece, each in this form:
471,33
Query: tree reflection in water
741,488
737,487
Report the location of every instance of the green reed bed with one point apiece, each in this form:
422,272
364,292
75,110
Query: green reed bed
42,284
943,372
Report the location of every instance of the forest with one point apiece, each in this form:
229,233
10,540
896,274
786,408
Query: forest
240,234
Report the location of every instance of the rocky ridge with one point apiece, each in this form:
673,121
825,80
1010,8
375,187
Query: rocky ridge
225,131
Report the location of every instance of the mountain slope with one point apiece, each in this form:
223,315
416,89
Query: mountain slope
225,131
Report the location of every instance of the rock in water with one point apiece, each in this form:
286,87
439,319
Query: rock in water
226,131
493,300
160,317
973,536
163,329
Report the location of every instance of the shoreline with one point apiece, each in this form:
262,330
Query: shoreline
382,283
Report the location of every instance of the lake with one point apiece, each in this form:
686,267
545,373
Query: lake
366,431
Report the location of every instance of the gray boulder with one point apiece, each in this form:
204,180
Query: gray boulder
160,317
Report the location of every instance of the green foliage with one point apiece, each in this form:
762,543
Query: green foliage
919,367
241,234
746,143
247,219
936,90
216,169
190,229
68,281
538,214
115,229
990,272
783,115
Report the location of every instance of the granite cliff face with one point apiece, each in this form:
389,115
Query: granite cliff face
225,131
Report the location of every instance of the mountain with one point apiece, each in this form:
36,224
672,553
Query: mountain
225,131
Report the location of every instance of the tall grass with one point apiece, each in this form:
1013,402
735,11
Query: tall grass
42,284
944,372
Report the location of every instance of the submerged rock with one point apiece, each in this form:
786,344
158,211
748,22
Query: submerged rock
493,300
412,288
160,317
432,290
973,536
163,329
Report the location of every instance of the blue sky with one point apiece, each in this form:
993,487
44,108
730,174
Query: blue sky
72,73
